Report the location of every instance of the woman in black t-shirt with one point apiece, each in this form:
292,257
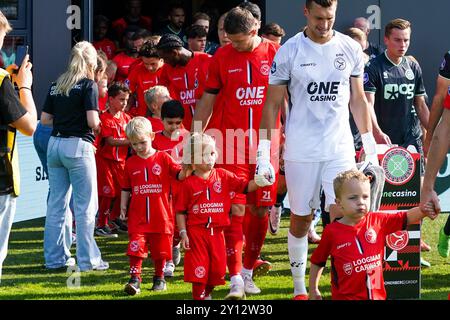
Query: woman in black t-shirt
71,108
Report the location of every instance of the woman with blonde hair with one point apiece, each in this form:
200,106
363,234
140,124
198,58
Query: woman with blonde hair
71,108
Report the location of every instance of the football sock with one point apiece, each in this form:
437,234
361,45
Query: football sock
136,267
159,267
103,211
447,227
298,255
198,291
255,239
234,241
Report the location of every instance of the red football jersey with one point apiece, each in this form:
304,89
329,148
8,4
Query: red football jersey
242,79
357,255
186,83
107,46
208,202
149,181
140,80
120,25
123,66
447,100
115,128
172,147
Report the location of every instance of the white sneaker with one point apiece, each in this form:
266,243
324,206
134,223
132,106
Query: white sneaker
102,266
249,286
169,269
71,262
237,292
274,219
208,297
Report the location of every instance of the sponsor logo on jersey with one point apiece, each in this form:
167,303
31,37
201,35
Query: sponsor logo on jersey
197,193
367,264
398,240
274,67
188,97
344,245
304,65
393,91
217,187
235,70
340,63
156,169
250,96
265,69
348,268
323,91
136,172
409,74
398,166
385,75
366,77
370,236
200,272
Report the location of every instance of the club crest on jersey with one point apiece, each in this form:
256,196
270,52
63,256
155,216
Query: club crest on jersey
398,240
196,84
134,246
136,190
366,77
348,268
232,195
156,169
274,67
217,186
265,69
340,63
370,236
200,272
195,209
409,74
107,190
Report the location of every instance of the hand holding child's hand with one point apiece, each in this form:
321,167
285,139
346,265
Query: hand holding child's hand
430,210
123,215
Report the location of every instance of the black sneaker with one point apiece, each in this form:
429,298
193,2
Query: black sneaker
105,232
159,284
133,286
119,226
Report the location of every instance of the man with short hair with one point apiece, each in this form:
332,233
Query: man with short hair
371,49
273,31
322,71
196,38
133,17
176,19
202,19
235,92
15,114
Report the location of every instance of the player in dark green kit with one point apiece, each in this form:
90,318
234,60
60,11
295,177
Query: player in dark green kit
394,87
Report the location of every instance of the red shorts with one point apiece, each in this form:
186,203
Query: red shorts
206,262
110,175
263,197
159,245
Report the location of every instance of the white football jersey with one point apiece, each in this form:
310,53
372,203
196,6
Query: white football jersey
318,80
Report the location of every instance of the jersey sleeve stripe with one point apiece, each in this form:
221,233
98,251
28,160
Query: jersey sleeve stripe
277,82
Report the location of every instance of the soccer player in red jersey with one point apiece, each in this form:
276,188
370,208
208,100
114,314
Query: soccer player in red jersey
236,91
202,209
356,242
170,140
143,76
101,42
148,176
184,73
110,157
155,98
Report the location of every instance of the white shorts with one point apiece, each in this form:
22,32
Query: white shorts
304,179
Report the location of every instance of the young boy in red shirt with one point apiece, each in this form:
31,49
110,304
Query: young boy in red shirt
110,157
170,140
203,208
356,242
154,99
143,76
148,176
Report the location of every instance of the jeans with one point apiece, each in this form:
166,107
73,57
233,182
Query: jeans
7,211
40,140
71,165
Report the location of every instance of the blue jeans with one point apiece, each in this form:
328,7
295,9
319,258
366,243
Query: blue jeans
7,211
40,140
71,165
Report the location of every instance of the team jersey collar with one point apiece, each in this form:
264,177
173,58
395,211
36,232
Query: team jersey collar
319,44
393,63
